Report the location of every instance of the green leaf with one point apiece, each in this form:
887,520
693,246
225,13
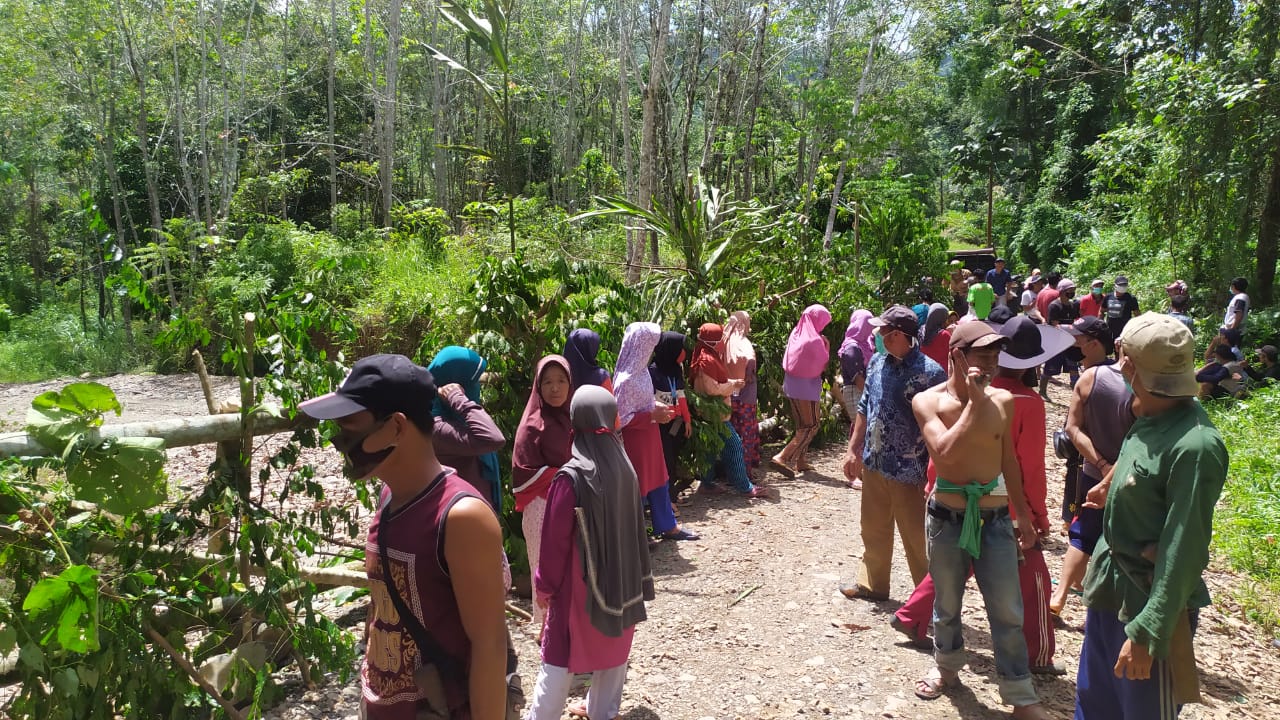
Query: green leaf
57,418
88,675
122,475
32,656
46,594
80,398
76,632
345,595
8,639
66,682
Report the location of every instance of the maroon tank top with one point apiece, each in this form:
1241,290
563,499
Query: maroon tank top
414,538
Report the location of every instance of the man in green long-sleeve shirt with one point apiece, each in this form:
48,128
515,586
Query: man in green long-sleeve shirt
1145,586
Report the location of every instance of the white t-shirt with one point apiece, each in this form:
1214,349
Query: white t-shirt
1028,298
1239,302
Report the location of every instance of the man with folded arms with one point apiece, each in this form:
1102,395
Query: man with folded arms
967,427
1144,587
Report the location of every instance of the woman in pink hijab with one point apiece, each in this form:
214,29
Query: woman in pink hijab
854,354
806,357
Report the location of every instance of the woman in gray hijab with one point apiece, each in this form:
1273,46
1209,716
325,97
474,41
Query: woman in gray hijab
593,576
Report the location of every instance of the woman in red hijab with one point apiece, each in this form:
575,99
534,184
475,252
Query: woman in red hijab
710,377
544,443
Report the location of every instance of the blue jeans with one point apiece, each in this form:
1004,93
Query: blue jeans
997,574
735,467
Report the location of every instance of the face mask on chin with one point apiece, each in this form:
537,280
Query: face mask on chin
359,463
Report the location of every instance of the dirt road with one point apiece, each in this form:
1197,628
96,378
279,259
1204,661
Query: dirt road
748,622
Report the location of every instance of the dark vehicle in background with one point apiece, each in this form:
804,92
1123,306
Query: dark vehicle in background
977,261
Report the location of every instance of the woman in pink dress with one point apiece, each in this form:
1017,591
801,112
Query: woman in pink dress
594,576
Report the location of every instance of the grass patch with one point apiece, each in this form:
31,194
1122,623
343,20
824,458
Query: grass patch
49,343
1248,518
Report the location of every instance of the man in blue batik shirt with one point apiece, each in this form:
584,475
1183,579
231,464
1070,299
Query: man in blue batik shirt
887,452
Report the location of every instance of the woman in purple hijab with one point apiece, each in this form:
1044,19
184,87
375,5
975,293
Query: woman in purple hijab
581,349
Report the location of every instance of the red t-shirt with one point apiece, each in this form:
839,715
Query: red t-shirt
1043,298
1029,445
1090,306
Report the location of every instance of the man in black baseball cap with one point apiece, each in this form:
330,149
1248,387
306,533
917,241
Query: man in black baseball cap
383,414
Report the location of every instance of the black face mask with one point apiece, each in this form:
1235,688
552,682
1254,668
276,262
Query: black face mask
1074,354
357,462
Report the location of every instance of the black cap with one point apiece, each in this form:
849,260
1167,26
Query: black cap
1000,314
381,384
898,317
1121,281
1093,327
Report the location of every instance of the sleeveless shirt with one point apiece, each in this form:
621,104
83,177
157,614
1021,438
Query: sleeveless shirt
414,538
1108,413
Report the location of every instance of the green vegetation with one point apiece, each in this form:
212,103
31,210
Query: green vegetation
1247,525
386,176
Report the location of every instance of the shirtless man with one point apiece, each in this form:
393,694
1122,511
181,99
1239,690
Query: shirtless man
967,427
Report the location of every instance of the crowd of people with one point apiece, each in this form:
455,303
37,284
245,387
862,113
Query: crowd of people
947,448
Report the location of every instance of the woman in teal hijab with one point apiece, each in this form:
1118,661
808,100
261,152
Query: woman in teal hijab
465,437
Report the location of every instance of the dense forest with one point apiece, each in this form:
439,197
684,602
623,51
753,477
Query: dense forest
160,158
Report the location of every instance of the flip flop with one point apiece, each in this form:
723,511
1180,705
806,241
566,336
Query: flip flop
855,484
680,534
862,592
782,467
933,685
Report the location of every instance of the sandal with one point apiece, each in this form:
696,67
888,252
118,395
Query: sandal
933,685
855,484
756,492
782,466
862,592
680,534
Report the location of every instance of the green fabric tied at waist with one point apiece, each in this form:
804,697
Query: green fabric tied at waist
971,530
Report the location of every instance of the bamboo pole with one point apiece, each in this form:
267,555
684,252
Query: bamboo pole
176,432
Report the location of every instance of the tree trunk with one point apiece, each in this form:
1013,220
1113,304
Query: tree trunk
757,79
853,119
137,68
330,109
649,130
624,102
202,122
179,132
387,136
1269,231
693,66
